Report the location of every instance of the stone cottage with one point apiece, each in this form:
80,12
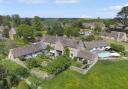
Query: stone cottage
27,51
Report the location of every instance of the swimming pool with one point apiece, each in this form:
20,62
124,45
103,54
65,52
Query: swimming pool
104,54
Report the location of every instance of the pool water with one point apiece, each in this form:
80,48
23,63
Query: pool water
104,54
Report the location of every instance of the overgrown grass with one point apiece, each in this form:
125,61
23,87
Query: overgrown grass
104,75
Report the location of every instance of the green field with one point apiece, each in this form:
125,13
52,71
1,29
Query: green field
104,75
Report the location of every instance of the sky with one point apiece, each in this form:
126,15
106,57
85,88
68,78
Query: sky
62,8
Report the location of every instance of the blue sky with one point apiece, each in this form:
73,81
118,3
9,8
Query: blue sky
62,8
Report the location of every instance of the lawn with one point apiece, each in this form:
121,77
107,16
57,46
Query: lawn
104,75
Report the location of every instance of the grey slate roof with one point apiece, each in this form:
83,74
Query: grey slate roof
86,55
1,28
95,44
113,34
66,42
49,39
26,50
1,36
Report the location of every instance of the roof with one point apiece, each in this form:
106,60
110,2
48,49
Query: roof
26,50
114,34
1,37
1,28
49,39
86,55
12,31
87,25
66,42
95,44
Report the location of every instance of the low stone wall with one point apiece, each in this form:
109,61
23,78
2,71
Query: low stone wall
41,74
74,68
83,71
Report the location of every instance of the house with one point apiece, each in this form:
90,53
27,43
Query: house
27,51
49,40
89,25
93,25
119,36
60,43
85,56
96,45
85,32
1,37
12,32
72,44
1,28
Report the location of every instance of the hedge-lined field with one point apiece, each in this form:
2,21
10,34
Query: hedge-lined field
104,75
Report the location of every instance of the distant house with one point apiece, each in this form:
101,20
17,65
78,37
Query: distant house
1,37
119,36
96,45
89,25
1,28
86,56
85,32
12,32
27,51
93,25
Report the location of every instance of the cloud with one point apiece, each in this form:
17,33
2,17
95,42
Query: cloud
24,1
114,8
32,1
67,1
85,16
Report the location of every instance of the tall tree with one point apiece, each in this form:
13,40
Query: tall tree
1,17
26,21
26,32
16,20
6,21
122,16
37,23
6,32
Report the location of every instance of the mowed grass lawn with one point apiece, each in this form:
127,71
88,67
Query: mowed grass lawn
104,75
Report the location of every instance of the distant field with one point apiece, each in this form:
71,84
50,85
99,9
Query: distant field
104,75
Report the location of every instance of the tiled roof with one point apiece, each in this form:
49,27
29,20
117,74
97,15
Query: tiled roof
114,34
95,44
21,51
86,55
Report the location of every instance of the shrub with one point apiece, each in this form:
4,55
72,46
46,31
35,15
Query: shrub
57,65
22,85
90,38
118,47
31,63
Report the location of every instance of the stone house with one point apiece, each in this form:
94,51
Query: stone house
85,32
12,32
28,51
93,25
87,57
96,45
1,28
72,44
49,40
76,48
119,36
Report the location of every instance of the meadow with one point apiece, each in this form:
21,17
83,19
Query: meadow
104,75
